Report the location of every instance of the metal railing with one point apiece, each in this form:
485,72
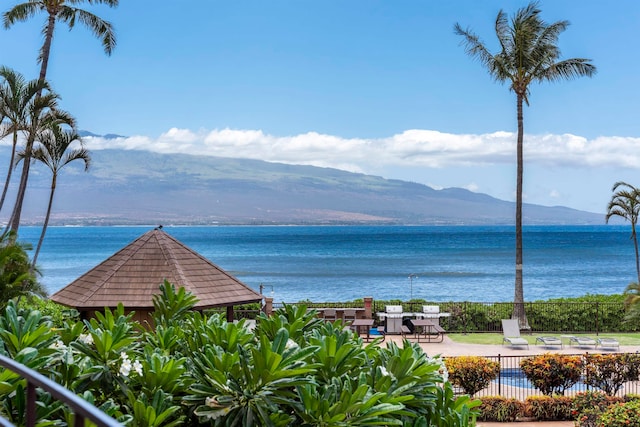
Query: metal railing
82,409
512,383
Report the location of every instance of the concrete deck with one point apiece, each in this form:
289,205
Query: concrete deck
450,348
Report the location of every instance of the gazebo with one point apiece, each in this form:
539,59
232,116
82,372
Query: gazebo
134,274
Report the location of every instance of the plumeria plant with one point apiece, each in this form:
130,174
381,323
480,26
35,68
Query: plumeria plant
192,368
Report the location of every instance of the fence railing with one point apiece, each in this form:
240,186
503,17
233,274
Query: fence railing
512,383
466,317
82,409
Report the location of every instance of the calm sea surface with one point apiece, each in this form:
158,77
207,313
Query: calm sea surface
336,263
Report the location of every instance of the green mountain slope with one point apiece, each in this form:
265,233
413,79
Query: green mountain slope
139,187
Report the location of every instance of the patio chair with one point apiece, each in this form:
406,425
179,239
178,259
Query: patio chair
348,317
610,343
511,332
582,342
329,314
547,341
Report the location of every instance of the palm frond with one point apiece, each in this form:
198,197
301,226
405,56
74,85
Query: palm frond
21,12
98,26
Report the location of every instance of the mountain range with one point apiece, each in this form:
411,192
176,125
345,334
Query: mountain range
140,187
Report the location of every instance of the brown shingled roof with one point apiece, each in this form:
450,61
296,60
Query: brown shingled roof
134,274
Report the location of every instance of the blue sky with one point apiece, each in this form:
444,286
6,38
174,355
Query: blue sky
379,87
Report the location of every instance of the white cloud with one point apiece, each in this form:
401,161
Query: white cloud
555,194
415,148
472,187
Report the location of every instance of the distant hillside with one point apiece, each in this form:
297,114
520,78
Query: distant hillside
139,187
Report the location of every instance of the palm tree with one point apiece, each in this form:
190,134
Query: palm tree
632,303
43,113
528,53
17,97
625,203
55,151
63,11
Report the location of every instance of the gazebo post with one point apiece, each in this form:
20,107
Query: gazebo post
229,313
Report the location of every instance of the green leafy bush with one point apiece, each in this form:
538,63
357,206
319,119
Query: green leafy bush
589,417
198,369
500,409
609,372
549,408
621,415
589,405
592,399
552,373
471,373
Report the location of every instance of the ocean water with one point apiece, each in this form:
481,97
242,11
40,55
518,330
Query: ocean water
342,263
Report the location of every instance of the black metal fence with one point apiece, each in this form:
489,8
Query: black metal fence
512,383
569,317
465,317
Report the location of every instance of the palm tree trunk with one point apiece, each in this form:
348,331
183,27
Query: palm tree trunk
14,223
46,47
46,220
635,244
24,178
518,302
10,169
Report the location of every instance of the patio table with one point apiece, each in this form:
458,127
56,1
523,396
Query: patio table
428,330
360,323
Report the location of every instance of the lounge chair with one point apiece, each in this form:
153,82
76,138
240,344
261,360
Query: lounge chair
511,332
582,342
609,343
549,341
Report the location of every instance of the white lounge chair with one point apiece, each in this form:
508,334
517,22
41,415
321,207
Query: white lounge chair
610,343
582,342
547,341
511,332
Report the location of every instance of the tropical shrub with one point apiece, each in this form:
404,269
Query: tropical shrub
198,369
471,373
621,415
549,408
17,278
589,405
589,417
592,399
609,372
500,409
552,373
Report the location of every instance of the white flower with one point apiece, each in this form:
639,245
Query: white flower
125,368
137,366
442,369
383,371
124,356
57,345
86,339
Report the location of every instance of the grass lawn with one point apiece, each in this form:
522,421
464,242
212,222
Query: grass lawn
495,338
